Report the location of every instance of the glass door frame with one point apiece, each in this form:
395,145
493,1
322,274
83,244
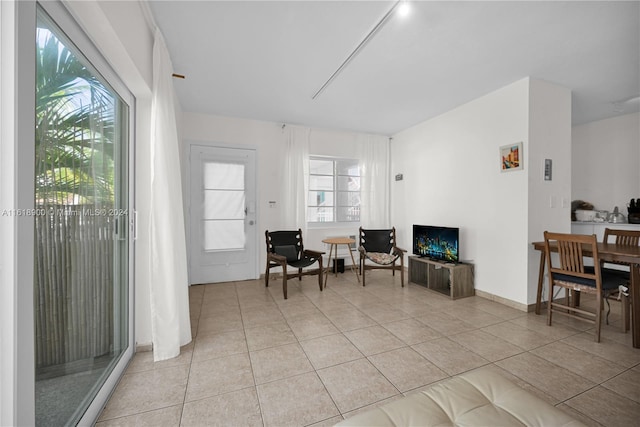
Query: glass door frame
24,399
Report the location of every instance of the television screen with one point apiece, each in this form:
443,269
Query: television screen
439,243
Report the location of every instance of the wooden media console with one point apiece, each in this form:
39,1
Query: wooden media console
453,280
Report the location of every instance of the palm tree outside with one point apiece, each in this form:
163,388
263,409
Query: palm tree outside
78,275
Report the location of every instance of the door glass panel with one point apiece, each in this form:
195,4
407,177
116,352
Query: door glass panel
225,176
81,242
224,235
224,206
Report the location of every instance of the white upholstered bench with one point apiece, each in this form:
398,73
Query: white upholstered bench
476,398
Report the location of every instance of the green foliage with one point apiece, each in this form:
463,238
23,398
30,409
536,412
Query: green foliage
74,128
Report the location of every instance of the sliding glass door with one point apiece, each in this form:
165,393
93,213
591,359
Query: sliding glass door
81,237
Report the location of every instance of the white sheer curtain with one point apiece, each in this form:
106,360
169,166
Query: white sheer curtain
170,322
374,181
296,177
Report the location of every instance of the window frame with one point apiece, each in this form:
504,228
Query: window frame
75,34
335,190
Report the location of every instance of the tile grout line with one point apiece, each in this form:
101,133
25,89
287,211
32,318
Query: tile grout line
374,294
253,374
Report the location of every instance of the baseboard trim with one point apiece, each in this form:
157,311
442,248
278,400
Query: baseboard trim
142,348
505,301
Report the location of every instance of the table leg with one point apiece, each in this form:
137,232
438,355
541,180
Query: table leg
353,264
540,282
635,304
329,264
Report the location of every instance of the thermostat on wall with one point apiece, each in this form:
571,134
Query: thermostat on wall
547,169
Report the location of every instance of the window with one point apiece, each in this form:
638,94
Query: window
334,190
81,246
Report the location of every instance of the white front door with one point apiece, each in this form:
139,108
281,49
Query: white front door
222,215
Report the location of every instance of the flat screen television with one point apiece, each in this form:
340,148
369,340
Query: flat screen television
439,243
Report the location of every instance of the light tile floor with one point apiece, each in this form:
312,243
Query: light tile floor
319,357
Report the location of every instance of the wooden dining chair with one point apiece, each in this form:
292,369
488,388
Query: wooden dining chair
568,271
627,238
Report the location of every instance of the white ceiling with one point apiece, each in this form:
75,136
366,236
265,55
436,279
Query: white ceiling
264,59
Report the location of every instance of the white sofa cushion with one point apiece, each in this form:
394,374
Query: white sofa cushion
477,398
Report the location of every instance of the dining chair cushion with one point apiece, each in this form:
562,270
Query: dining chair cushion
609,280
621,274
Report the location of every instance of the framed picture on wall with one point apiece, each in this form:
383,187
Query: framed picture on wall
511,157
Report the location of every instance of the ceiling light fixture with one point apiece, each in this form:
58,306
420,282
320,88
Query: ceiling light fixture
404,8
363,43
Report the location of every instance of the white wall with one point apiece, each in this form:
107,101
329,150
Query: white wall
606,159
268,139
452,178
549,138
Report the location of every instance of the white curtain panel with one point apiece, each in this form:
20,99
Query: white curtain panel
170,322
296,178
374,181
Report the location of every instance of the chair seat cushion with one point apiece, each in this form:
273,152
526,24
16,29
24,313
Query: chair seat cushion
610,278
381,258
624,275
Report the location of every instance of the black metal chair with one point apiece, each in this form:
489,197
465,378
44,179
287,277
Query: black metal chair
285,248
379,247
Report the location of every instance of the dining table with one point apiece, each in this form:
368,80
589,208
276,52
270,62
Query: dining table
607,252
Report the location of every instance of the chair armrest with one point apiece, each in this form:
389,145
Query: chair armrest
281,259
316,254
399,251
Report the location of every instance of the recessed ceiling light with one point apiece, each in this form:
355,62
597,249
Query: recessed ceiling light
404,8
